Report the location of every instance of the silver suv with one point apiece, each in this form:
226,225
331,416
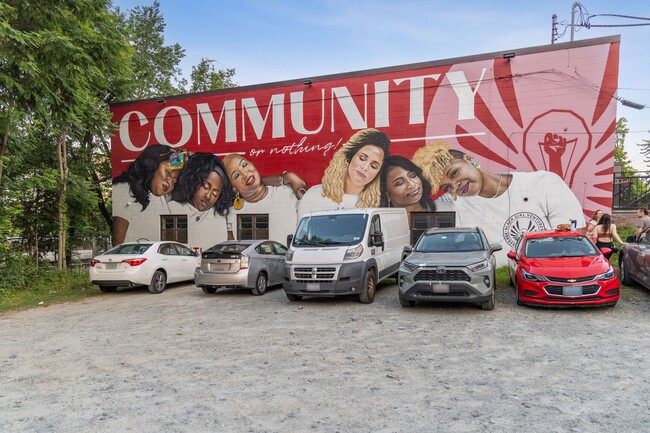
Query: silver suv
453,264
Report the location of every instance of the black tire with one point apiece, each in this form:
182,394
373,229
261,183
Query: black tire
490,303
260,284
625,274
367,296
405,302
209,290
292,297
158,282
518,298
108,289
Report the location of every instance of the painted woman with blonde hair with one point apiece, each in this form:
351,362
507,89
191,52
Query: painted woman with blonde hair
352,177
503,204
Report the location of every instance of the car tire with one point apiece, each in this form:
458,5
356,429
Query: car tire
519,299
260,284
405,302
625,274
209,290
367,296
108,289
292,297
158,282
490,303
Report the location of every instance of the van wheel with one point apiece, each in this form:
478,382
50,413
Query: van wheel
370,287
489,304
209,290
260,284
158,282
405,302
293,298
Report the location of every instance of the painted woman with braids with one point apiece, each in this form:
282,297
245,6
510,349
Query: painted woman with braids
148,182
352,177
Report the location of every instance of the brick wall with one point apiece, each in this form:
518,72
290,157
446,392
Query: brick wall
624,218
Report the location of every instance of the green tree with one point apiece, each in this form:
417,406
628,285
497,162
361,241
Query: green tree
645,151
620,155
156,66
206,77
71,49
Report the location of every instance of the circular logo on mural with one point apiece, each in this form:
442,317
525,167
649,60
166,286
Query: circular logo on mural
519,223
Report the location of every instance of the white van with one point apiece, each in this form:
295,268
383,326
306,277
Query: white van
345,252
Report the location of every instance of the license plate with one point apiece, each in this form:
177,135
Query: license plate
111,265
313,287
440,288
219,267
572,291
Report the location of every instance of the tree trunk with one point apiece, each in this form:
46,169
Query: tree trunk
3,149
63,174
97,182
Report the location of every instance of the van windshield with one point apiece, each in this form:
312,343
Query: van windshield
327,230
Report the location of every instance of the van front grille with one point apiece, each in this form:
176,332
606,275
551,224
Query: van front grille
314,273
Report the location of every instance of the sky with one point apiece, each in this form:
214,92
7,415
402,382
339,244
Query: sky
277,40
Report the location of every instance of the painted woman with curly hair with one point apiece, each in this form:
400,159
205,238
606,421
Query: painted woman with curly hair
154,173
503,204
203,183
352,177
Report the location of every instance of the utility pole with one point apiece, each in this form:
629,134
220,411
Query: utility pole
573,18
553,28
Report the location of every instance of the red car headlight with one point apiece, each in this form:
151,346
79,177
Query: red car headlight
609,275
532,277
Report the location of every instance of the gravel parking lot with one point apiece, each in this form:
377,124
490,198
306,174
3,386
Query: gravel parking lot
183,361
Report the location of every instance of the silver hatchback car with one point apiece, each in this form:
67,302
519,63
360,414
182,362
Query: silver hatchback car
453,264
249,264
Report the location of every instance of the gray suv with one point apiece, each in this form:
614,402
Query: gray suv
453,264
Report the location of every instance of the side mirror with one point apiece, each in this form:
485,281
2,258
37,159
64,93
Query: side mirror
606,251
511,255
408,249
377,239
496,247
289,239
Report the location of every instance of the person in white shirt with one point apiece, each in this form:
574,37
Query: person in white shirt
503,204
352,177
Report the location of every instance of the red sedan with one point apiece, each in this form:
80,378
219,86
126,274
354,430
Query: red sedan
562,268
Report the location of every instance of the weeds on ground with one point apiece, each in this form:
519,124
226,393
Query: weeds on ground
23,284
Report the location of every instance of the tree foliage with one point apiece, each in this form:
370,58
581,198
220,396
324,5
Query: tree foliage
63,62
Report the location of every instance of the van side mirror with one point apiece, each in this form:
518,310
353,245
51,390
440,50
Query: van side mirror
377,239
289,239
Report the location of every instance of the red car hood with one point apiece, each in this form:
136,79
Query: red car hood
568,267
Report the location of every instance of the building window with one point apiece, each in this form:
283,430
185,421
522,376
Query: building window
174,228
253,226
421,221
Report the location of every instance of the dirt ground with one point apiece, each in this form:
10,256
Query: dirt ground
183,361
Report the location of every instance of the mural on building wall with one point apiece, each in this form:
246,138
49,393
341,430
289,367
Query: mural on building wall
509,144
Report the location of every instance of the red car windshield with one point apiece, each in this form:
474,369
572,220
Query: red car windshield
559,246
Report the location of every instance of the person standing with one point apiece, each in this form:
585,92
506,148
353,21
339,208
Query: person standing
643,225
606,234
